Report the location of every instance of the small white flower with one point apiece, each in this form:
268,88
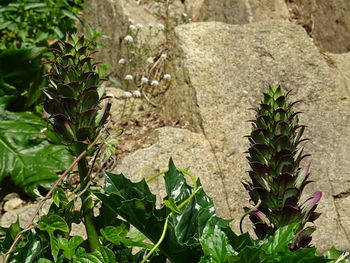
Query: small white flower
127,94
154,83
151,25
150,60
167,76
139,26
129,77
43,130
161,26
144,80
137,93
122,61
131,21
128,38
164,56
132,27
184,15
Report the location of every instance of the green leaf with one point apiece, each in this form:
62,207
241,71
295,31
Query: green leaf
137,205
21,76
70,15
336,255
121,234
100,255
51,223
115,234
280,240
172,205
34,5
70,246
54,244
10,235
32,248
247,255
44,260
25,156
59,197
215,243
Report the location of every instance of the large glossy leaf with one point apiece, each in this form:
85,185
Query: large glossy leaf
215,244
195,214
136,204
26,158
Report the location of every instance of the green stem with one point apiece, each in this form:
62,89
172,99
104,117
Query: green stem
171,213
160,239
87,206
156,175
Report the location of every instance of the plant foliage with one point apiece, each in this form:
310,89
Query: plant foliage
22,145
75,94
277,180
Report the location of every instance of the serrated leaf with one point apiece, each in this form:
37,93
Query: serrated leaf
137,205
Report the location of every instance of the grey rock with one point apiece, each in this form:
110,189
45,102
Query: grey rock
343,205
13,204
328,22
25,214
221,70
108,18
236,11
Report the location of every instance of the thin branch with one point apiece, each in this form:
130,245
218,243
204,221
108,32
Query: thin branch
48,195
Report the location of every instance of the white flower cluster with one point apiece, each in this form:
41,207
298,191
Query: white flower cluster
122,61
167,76
127,94
135,93
128,39
154,83
144,80
150,60
129,77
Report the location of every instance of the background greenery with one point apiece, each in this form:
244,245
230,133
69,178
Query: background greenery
28,28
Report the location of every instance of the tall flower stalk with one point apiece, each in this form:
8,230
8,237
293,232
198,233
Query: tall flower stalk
276,178
73,105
